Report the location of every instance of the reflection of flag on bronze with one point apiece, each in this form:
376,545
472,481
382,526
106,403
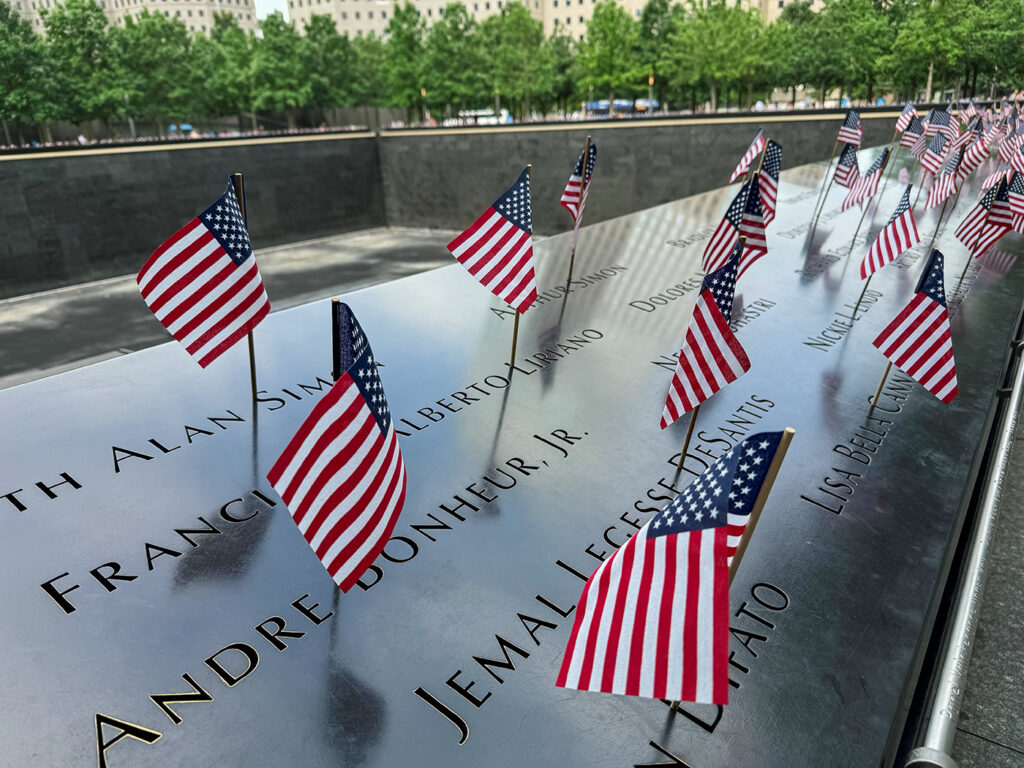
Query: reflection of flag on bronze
896,237
847,171
497,249
203,284
918,341
653,619
931,160
711,356
342,475
988,221
850,131
866,185
996,263
752,228
908,114
721,244
945,183
752,151
574,197
771,168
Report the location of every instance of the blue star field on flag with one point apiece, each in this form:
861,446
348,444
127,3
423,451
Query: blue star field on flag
357,359
931,283
514,205
226,224
722,283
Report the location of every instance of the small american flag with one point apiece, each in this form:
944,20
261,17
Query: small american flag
867,185
941,122
497,249
752,228
1008,147
847,171
944,184
994,178
770,170
913,132
988,221
931,160
1017,159
752,151
574,196
918,341
895,238
920,145
342,475
974,156
722,242
850,131
653,619
203,284
711,356
961,140
1015,193
969,110
909,113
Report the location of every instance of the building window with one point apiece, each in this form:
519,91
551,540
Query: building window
782,3
189,12
177,14
344,15
357,15
369,15
581,19
476,6
567,20
201,13
430,12
554,4
487,6
383,14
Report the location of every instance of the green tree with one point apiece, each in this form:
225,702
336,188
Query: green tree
27,79
608,54
403,58
367,79
225,58
926,44
281,79
522,66
652,41
454,64
331,61
856,38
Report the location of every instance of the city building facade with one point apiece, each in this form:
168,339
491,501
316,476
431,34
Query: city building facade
197,15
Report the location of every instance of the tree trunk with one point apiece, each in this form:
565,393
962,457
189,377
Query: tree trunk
290,115
871,92
611,102
714,96
693,99
526,107
792,96
750,94
47,134
822,102
7,133
928,87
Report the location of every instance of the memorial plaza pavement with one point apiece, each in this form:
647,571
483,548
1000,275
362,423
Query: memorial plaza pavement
44,334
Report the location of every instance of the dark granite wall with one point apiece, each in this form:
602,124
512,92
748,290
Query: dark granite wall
76,217
447,178
69,219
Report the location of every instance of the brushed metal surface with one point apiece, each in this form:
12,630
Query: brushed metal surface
821,681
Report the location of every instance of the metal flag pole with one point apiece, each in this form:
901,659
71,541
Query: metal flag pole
762,497
240,194
755,511
584,182
689,434
878,392
828,167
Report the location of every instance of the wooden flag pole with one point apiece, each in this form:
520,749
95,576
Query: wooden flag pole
335,340
857,230
762,497
831,157
938,226
888,173
689,434
240,194
977,240
584,180
760,163
861,297
920,189
878,392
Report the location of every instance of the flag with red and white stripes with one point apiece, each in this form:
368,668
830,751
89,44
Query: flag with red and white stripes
899,234
867,185
574,195
912,133
847,171
994,178
974,156
1008,147
771,168
497,249
752,228
988,221
961,140
909,113
203,284
723,241
920,145
1017,159
711,356
919,341
752,151
341,475
968,111
941,121
944,184
931,160
850,131
653,619
1015,194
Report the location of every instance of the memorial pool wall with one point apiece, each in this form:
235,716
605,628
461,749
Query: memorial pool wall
81,215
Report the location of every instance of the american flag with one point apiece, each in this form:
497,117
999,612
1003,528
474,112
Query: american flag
1008,147
203,284
920,145
909,113
918,341
994,178
752,228
896,237
850,131
770,170
867,185
988,221
342,475
1015,193
497,249
931,161
944,184
913,132
711,356
722,242
847,171
974,156
941,122
1017,159
961,140
574,197
653,619
752,151
969,111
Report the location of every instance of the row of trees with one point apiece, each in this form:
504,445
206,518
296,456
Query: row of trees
712,51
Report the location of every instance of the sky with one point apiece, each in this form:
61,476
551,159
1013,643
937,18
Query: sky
266,7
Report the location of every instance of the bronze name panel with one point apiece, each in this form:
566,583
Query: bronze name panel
161,607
